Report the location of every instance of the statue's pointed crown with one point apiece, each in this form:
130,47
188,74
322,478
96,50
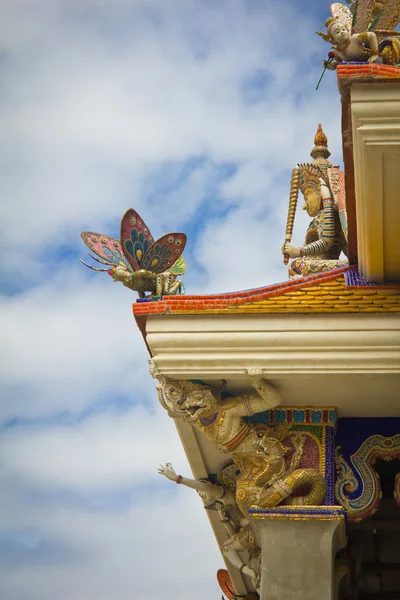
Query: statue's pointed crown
310,173
327,36
320,152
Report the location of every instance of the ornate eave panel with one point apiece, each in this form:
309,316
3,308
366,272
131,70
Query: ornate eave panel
351,361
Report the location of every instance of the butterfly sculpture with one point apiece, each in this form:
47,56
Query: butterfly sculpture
136,260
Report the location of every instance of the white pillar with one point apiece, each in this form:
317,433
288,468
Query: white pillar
375,111
298,548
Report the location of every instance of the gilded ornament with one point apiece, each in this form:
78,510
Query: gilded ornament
358,475
257,450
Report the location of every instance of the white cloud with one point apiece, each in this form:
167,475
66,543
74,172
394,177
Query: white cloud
71,341
99,97
106,451
194,113
161,548
158,543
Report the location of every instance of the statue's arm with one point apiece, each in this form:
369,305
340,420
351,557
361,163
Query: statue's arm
216,491
373,45
267,396
330,65
339,55
328,233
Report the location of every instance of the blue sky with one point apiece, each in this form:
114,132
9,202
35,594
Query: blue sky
194,113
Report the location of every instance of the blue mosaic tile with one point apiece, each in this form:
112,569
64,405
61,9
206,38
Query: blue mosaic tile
151,299
298,416
316,416
280,416
354,279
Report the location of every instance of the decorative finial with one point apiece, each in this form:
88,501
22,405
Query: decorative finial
320,152
320,138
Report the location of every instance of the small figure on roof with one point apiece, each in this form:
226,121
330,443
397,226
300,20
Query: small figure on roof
137,261
322,186
363,34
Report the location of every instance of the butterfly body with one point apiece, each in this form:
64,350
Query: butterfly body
143,281
137,261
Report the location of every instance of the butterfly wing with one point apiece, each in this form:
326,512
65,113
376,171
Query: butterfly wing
179,266
136,238
343,14
388,17
164,253
362,15
106,248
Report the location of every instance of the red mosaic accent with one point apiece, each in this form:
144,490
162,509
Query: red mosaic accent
234,443
223,301
370,70
226,584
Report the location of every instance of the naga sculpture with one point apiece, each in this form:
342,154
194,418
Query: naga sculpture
255,449
240,535
365,33
137,261
322,185
267,483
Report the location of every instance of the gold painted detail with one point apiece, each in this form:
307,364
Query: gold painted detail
264,479
330,296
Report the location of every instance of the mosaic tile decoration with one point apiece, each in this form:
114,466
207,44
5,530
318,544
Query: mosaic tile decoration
320,293
298,512
361,70
150,299
355,280
319,425
298,415
273,289
359,442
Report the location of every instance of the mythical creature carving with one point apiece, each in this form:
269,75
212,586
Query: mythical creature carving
363,33
220,419
358,486
136,260
323,188
256,449
240,535
267,483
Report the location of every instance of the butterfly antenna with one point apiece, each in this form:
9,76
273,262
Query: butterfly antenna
93,268
103,262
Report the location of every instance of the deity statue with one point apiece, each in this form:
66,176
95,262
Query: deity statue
220,419
240,535
322,186
257,447
137,261
364,35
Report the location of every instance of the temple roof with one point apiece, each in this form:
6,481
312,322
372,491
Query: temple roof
339,291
